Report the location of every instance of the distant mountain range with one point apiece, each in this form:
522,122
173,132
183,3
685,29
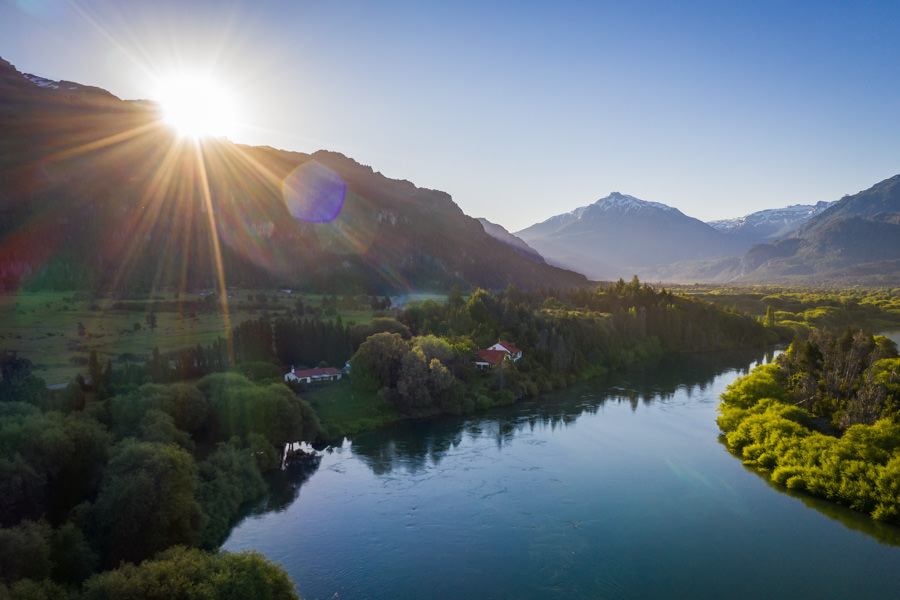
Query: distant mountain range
855,240
771,224
620,235
96,194
852,241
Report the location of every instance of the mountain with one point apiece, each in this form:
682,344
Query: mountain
855,240
95,193
620,236
500,233
769,225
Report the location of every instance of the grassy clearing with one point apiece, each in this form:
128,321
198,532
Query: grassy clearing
44,326
344,411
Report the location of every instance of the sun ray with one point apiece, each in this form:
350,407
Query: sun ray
216,250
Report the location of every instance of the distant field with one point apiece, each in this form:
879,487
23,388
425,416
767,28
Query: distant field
44,327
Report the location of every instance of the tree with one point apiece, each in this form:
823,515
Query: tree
240,407
412,384
147,502
17,383
94,369
191,574
376,363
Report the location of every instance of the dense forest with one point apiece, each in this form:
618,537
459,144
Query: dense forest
823,418
138,469
104,485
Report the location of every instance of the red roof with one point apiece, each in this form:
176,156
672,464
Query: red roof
492,357
317,372
510,347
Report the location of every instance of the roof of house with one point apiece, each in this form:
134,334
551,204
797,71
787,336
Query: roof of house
510,347
492,357
317,372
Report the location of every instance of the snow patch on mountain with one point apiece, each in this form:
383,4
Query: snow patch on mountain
789,217
42,81
615,202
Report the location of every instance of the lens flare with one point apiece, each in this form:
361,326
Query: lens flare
314,193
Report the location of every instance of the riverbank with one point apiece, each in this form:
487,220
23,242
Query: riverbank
559,497
344,411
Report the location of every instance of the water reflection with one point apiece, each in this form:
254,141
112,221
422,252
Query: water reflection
418,445
884,533
284,485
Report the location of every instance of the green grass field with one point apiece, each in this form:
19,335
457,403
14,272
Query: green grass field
44,327
344,411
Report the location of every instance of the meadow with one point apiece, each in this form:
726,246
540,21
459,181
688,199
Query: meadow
57,331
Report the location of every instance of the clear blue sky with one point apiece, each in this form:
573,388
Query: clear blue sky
523,110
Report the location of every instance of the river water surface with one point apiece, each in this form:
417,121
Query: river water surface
617,489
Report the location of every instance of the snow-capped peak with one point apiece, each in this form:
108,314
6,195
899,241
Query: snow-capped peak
625,204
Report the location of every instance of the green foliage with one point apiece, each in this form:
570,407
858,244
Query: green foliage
566,336
29,589
17,383
184,402
190,574
848,377
88,482
376,363
837,378
790,312
240,407
229,479
25,552
763,382
49,462
360,333
147,502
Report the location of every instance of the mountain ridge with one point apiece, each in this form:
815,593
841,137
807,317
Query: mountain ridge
770,224
858,231
96,193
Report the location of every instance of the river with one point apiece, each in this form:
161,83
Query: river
615,489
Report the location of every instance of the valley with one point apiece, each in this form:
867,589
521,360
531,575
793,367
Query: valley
162,294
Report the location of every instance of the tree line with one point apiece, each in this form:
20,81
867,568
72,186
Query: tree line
565,335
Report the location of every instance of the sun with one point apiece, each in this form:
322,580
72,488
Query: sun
197,107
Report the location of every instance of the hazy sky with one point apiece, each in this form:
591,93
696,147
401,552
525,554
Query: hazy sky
522,110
